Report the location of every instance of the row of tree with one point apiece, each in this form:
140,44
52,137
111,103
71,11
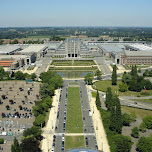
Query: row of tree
15,75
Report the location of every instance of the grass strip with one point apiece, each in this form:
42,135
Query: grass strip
74,114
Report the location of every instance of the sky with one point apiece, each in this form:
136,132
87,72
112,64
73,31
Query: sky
39,13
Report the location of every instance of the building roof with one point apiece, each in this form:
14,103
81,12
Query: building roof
16,57
138,53
112,47
33,48
6,49
141,47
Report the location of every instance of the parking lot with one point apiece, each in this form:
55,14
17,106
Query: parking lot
16,101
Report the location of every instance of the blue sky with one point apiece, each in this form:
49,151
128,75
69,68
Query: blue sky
21,13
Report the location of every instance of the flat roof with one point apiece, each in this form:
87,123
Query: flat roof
141,47
12,56
4,49
112,47
138,53
33,48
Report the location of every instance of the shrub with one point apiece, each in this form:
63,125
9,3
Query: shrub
123,143
148,121
144,144
126,119
123,87
142,127
1,141
135,132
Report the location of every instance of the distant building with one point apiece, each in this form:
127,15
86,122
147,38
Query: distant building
72,48
9,49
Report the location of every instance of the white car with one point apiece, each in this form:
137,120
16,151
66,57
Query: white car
62,138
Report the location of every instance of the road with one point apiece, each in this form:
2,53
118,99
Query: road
103,65
87,120
42,64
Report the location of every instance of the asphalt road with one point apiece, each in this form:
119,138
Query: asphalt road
103,65
42,64
87,120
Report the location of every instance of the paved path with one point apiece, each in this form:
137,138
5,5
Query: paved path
49,129
99,129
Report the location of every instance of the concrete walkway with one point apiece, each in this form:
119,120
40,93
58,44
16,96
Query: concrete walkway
98,125
49,129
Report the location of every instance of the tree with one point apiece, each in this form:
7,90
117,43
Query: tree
15,147
98,102
52,78
1,73
30,145
88,78
134,71
19,75
123,143
108,101
112,119
40,119
46,90
114,75
126,78
35,131
148,121
144,144
33,76
48,101
123,87
98,74
135,132
118,115
126,119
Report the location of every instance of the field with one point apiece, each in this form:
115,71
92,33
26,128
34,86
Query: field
74,142
74,114
139,112
74,63
104,84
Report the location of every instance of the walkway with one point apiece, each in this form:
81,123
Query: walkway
49,129
98,125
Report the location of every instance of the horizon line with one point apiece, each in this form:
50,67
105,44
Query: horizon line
77,26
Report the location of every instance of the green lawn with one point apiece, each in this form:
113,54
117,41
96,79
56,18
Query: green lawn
75,63
94,94
74,114
74,142
139,112
144,100
103,84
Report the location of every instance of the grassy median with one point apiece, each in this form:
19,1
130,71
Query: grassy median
74,122
74,142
